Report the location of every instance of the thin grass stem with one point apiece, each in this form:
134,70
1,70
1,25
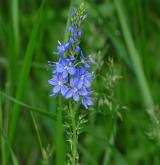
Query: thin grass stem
135,59
23,79
3,156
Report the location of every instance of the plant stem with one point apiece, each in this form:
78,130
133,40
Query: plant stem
74,136
60,145
66,35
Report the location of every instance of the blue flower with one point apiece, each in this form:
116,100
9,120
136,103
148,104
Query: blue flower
58,83
77,50
79,21
87,101
73,13
86,60
62,48
75,91
65,66
75,23
71,41
72,59
75,35
71,29
84,77
79,32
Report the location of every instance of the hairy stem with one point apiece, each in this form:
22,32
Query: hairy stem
60,145
74,136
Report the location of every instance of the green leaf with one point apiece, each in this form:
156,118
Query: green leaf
30,108
13,156
24,75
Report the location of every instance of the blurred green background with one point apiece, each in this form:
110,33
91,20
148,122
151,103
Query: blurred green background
119,130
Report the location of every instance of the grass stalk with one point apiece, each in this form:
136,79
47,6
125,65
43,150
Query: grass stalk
15,26
28,108
134,56
13,40
3,156
43,151
23,79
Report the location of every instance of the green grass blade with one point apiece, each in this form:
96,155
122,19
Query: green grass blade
88,155
30,108
14,15
13,45
134,55
13,156
23,78
120,48
119,157
2,140
43,152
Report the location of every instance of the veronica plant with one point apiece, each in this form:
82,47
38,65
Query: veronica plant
72,77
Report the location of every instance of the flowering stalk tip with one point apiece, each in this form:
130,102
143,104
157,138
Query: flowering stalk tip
71,76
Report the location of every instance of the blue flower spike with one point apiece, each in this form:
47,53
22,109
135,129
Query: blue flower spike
71,76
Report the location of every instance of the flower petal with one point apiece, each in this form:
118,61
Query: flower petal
71,41
59,68
76,97
88,75
84,103
87,66
80,83
56,89
68,94
89,101
65,74
87,83
83,91
52,82
71,29
67,46
72,70
77,49
64,89
73,81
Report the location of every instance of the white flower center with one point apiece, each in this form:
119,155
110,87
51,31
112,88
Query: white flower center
63,48
82,77
75,89
60,83
66,67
